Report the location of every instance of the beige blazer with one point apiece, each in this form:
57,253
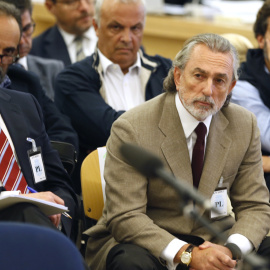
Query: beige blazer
146,212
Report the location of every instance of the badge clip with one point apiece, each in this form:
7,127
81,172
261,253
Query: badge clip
36,161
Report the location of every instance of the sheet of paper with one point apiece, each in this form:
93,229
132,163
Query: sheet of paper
48,208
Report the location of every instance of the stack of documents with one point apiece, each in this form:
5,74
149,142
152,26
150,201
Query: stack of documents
48,208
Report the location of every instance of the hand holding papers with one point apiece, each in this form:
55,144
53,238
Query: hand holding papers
34,191
48,208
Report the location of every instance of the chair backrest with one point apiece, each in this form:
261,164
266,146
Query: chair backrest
241,44
67,153
93,184
32,247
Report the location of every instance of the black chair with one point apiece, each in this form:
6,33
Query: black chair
67,153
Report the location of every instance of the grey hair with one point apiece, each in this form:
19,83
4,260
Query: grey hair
99,4
215,43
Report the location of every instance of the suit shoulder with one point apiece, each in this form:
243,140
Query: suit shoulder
42,36
19,96
82,68
38,41
46,61
236,110
160,60
149,109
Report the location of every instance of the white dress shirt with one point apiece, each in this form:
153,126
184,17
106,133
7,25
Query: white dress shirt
189,124
123,91
89,42
248,96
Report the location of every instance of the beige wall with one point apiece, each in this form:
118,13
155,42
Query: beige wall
163,35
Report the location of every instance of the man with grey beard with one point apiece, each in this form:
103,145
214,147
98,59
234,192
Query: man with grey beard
206,142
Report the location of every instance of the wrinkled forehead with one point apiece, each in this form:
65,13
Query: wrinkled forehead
215,62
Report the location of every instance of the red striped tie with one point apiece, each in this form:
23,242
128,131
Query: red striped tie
10,173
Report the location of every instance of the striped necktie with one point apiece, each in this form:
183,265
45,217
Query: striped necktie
10,173
79,48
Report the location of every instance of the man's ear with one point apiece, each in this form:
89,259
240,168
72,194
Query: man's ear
177,77
95,25
260,39
50,6
232,86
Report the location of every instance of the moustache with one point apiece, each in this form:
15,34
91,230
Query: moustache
208,100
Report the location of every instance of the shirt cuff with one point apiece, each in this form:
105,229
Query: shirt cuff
170,251
242,242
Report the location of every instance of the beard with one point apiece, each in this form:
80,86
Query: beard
198,111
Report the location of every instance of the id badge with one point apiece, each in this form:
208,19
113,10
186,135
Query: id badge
36,162
219,201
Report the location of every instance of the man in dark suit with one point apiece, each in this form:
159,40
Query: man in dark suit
21,118
45,69
73,22
57,125
118,76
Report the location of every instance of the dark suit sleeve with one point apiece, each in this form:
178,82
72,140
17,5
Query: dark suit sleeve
58,180
77,95
57,125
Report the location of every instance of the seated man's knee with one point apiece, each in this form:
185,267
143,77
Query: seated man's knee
132,257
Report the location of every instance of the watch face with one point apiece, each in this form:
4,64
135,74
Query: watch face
186,257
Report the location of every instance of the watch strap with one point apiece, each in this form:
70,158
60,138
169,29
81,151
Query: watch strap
189,249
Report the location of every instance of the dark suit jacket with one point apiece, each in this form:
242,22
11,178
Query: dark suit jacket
23,118
50,44
57,125
80,94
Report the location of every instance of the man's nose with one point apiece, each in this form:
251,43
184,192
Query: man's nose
126,35
84,5
208,88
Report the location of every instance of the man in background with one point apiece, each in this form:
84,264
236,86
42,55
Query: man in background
252,89
13,77
21,118
45,69
73,37
116,78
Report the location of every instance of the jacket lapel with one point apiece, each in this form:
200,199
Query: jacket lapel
174,146
217,149
56,46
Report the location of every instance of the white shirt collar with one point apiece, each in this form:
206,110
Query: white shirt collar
106,63
189,123
23,62
69,38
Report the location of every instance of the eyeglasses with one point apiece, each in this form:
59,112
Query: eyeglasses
29,29
73,4
8,59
